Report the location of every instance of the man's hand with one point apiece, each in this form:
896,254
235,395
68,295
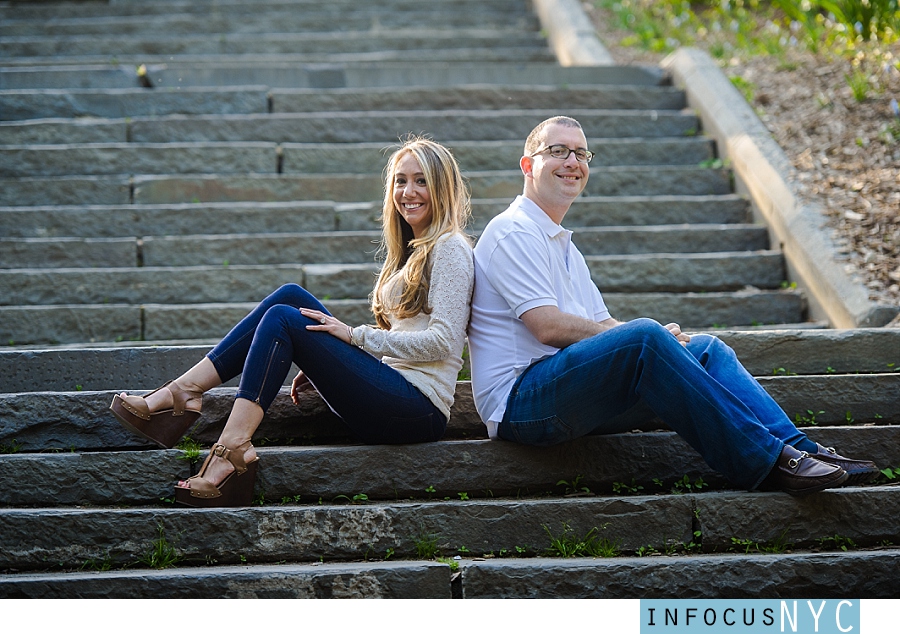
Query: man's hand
300,384
675,329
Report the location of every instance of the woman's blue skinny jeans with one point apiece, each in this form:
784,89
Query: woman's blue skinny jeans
701,391
378,404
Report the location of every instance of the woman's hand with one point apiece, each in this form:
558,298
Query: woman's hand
327,323
300,384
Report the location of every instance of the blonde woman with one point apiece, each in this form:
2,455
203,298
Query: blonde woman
392,383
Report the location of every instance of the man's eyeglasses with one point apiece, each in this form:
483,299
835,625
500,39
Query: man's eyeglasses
562,152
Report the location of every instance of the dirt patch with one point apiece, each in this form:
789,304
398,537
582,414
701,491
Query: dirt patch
847,153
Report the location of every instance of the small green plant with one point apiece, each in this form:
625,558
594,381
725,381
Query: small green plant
778,545
889,474
427,545
848,418
14,446
684,485
569,544
782,372
77,388
859,85
746,88
574,487
671,547
190,450
388,553
359,498
713,163
646,551
454,564
788,285
621,488
809,418
659,483
430,491
830,370
521,550
742,544
290,499
462,549
837,542
696,543
98,565
259,499
161,554
465,372
463,495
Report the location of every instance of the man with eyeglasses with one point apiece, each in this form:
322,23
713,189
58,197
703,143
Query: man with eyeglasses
550,364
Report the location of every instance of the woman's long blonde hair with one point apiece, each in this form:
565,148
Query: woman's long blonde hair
450,211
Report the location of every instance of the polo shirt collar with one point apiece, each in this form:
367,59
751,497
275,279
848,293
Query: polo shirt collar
543,221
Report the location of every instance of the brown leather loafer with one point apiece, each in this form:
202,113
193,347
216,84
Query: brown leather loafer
859,471
799,473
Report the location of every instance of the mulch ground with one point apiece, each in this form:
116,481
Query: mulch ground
847,153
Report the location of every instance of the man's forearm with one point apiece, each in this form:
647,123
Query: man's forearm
552,327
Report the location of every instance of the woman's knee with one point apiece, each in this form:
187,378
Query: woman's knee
289,294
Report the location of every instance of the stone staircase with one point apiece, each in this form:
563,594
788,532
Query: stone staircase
137,224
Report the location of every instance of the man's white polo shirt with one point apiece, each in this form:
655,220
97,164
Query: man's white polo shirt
522,260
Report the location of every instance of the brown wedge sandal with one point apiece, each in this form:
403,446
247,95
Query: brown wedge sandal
235,490
165,427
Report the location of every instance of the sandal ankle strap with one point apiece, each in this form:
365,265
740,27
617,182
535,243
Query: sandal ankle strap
180,397
234,456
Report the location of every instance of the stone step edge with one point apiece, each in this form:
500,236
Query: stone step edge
480,468
867,574
690,523
398,580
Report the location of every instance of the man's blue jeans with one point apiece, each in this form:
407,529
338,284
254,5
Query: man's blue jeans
376,402
701,391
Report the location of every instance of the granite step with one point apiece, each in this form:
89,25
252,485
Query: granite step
764,353
193,100
342,246
343,127
70,418
381,580
490,54
243,283
323,75
210,157
46,538
479,468
276,19
214,188
109,221
432,39
866,574
65,10
117,103
71,323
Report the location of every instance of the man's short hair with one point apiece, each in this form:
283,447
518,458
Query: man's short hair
533,142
